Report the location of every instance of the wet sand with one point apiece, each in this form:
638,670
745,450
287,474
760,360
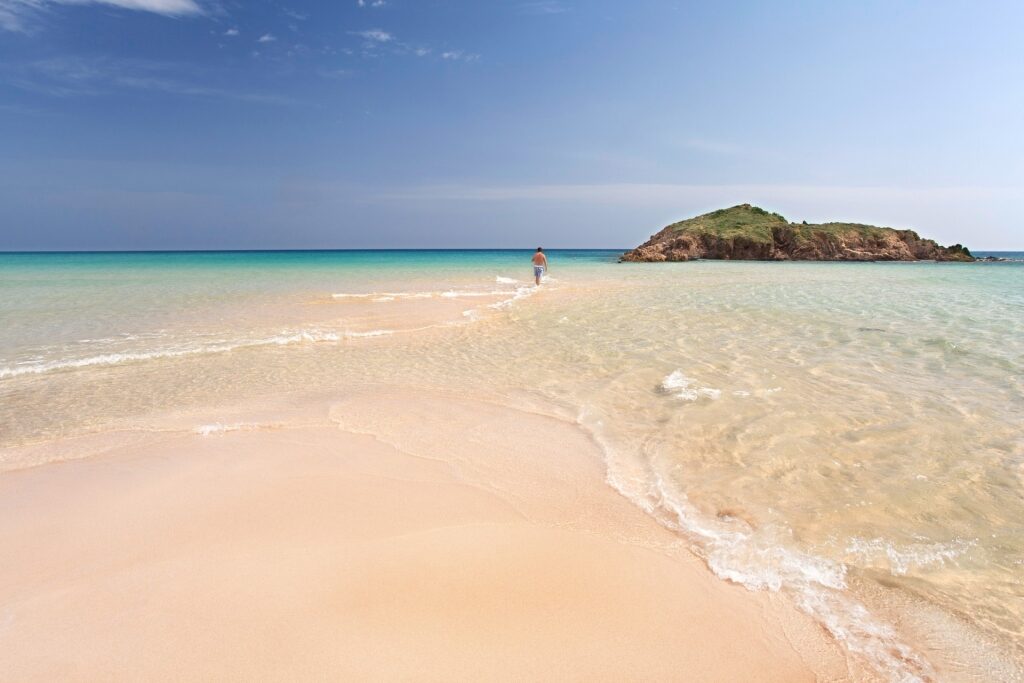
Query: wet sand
392,535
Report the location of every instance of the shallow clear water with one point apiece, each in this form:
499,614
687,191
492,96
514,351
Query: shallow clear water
850,433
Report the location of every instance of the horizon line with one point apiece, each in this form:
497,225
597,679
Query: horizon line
4,252
317,249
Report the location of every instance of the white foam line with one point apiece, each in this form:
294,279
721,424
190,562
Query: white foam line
520,293
453,294
219,428
378,297
371,333
819,585
394,295
118,358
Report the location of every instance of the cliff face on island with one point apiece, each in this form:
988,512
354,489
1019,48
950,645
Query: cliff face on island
747,232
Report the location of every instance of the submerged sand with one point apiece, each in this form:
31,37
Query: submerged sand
391,535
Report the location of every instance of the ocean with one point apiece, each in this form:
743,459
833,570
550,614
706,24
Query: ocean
848,433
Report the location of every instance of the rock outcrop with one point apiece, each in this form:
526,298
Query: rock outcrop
747,232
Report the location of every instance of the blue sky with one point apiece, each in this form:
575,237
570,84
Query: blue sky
153,124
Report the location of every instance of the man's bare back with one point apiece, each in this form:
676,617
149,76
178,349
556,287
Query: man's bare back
540,265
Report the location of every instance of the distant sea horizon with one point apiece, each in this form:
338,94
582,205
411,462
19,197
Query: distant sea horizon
327,249
1004,253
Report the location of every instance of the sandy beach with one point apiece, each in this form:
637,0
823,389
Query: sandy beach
398,536
419,467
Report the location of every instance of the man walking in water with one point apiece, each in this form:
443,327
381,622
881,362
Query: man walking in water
540,265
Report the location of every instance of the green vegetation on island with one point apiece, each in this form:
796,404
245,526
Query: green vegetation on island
752,233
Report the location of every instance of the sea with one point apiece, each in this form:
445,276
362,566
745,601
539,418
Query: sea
850,434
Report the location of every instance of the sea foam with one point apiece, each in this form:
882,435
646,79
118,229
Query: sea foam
521,292
901,559
383,297
220,428
686,389
283,339
754,559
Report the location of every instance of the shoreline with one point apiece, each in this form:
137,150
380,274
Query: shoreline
342,370
335,547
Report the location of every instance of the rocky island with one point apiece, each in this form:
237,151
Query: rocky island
748,232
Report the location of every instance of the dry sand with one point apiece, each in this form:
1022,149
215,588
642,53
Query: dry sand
401,536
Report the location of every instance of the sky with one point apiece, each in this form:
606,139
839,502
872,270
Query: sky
270,124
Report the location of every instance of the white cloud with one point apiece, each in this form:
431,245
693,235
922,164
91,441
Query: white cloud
375,35
389,44
15,15
231,32
167,7
266,38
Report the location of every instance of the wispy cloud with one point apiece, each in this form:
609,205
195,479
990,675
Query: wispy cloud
168,7
231,32
375,35
375,40
17,15
371,3
57,77
266,38
179,88
459,56
75,78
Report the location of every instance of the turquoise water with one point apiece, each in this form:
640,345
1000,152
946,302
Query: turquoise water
64,297
848,433
54,304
